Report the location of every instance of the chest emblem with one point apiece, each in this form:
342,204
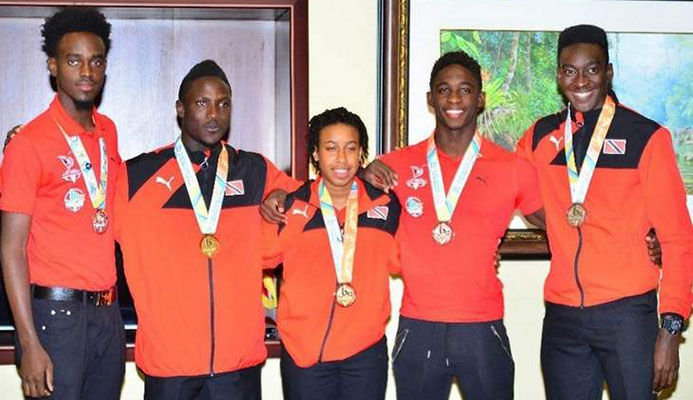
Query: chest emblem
303,212
615,146
414,206
165,182
416,181
71,173
378,212
235,188
74,200
556,141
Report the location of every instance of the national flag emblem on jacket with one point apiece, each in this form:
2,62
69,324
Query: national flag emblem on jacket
378,212
615,146
235,188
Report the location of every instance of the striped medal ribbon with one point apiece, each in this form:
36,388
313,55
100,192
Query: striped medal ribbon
580,182
342,247
207,220
95,189
445,204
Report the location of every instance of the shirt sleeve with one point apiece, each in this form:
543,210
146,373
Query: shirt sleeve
665,199
528,198
21,176
271,247
277,179
524,145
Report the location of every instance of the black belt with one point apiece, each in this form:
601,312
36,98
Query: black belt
98,299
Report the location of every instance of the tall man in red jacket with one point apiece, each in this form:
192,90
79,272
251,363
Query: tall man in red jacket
58,182
607,174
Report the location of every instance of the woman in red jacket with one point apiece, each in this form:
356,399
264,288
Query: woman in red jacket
338,249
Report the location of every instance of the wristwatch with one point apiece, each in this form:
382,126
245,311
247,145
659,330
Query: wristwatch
672,322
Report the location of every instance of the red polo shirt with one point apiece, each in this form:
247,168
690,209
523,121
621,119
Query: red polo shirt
40,177
458,282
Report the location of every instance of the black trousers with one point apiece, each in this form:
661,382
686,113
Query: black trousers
243,384
86,345
581,347
362,376
428,355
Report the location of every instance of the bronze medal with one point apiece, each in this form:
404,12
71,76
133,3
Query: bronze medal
209,245
442,233
99,221
576,215
346,295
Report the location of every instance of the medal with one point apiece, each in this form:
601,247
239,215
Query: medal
346,295
442,233
99,221
580,181
445,204
207,220
96,189
576,215
209,245
342,246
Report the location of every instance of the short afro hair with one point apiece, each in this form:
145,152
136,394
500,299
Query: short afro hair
338,115
74,19
201,70
457,58
583,34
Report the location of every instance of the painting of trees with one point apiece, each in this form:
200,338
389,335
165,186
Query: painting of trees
653,74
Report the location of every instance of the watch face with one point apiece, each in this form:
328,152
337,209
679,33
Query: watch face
672,324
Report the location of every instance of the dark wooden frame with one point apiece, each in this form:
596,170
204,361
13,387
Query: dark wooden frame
298,27
394,30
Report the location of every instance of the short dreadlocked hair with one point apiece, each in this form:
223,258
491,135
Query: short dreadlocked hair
74,19
457,58
338,115
583,34
201,70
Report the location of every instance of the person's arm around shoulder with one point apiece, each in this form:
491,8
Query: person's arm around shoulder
36,368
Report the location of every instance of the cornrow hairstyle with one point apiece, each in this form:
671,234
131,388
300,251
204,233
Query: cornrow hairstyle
201,70
338,115
74,19
583,34
457,58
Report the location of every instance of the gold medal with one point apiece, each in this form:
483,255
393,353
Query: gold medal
576,215
99,221
209,245
442,233
346,295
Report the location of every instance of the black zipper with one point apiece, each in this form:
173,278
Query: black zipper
575,267
211,315
329,326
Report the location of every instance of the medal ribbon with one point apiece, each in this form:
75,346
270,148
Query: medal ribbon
96,190
579,183
342,250
445,205
206,220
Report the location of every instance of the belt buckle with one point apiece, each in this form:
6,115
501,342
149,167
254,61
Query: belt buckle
105,298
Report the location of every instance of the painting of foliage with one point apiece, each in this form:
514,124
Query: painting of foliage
653,74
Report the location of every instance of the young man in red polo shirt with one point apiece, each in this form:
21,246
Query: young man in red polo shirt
58,182
459,194
188,224
613,176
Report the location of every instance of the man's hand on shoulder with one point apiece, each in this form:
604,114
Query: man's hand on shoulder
380,175
272,209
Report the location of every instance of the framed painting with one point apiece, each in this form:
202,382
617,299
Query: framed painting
651,49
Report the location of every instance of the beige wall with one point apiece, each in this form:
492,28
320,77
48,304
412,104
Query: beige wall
343,46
